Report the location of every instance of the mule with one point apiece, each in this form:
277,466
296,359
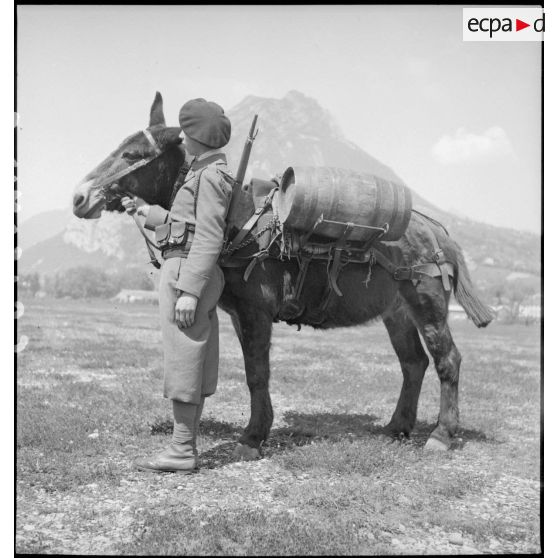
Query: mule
409,309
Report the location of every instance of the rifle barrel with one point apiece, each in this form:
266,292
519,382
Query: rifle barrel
243,165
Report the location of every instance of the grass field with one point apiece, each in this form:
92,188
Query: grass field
89,404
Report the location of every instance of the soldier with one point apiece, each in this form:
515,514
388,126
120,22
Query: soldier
191,282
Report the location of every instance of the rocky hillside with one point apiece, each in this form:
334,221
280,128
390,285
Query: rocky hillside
295,131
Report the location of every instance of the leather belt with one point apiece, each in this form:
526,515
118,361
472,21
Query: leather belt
177,251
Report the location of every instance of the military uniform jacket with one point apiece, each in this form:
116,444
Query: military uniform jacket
209,177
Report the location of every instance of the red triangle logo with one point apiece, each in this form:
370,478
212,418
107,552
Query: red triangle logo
519,25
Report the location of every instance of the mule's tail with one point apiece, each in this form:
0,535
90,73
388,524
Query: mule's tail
465,293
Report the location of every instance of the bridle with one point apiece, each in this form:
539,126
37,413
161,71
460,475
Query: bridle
135,166
110,190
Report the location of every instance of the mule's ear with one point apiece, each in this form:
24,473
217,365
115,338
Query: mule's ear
170,136
156,116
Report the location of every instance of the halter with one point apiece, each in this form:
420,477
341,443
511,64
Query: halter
137,165
108,194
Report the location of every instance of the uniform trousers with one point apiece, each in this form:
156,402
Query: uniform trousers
191,355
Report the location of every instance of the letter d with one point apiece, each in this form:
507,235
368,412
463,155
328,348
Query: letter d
535,25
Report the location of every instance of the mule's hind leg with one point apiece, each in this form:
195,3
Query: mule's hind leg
253,327
429,303
406,342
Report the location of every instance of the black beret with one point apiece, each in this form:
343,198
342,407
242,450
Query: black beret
205,122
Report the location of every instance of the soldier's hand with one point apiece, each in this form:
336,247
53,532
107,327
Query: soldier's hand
185,310
131,205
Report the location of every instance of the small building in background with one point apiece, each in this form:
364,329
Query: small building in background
456,312
134,295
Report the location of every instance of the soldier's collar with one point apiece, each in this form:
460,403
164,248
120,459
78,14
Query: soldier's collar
207,160
209,153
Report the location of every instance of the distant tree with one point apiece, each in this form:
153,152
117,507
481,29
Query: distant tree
29,283
49,284
498,291
133,278
85,282
515,294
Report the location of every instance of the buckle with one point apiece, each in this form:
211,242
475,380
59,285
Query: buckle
439,256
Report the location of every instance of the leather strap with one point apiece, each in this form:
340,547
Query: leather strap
430,269
135,166
152,141
302,275
196,194
251,223
415,272
339,259
333,271
257,258
148,243
438,254
138,223
179,182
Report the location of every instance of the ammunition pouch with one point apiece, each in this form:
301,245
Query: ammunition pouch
173,235
177,251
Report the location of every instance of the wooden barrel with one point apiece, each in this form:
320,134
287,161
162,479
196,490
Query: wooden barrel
343,195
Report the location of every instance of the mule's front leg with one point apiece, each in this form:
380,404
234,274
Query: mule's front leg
253,327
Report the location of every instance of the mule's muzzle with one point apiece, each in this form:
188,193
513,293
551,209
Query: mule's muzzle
87,205
79,201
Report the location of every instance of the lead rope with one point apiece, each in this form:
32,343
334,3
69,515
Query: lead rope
149,244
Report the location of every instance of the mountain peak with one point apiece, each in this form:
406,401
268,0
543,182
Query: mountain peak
295,130
295,95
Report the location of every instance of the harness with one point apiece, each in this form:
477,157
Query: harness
335,255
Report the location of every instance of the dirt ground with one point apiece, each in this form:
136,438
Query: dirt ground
89,404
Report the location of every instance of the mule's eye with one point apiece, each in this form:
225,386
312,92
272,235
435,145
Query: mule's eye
132,155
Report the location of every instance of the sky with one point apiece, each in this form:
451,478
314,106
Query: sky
460,122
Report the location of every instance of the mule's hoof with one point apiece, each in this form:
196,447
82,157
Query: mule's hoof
434,444
242,452
394,435
386,438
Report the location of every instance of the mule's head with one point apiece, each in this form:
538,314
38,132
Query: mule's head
153,182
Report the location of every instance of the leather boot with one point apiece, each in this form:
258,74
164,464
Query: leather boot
181,456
